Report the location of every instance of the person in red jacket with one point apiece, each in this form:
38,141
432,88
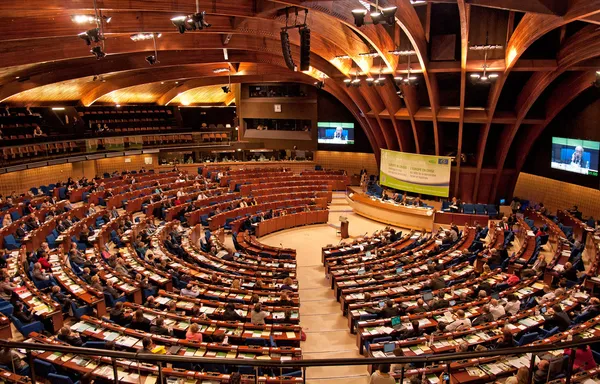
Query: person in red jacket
584,359
43,260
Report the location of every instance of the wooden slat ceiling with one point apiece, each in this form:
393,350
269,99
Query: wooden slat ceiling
44,62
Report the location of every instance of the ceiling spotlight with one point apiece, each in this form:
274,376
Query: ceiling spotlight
597,82
347,82
179,22
415,2
107,19
226,88
398,79
359,17
343,57
151,59
144,36
380,81
220,70
320,84
410,79
370,81
97,51
400,93
356,82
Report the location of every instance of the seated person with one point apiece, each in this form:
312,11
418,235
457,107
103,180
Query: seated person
420,308
62,298
389,310
439,301
556,317
139,322
461,322
584,359
119,315
22,314
189,291
284,300
159,327
151,303
485,316
193,333
230,314
415,331
110,289
65,334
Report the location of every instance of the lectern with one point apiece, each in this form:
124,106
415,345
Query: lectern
344,227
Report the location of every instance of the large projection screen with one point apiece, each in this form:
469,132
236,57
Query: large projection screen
425,174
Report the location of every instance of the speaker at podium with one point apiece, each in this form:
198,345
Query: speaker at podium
344,227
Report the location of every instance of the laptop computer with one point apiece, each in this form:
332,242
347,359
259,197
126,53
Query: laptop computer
399,270
388,349
427,296
396,322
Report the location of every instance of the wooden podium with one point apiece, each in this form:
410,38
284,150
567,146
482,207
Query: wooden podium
344,227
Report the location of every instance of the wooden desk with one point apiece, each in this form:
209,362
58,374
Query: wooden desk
389,213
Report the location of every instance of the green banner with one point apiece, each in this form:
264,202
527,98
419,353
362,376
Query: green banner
410,172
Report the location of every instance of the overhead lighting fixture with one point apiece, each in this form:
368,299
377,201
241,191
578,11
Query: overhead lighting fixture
385,16
417,2
118,105
225,54
58,108
359,17
370,81
97,51
320,84
226,88
356,82
145,36
151,59
485,77
347,82
220,70
343,57
597,82
195,21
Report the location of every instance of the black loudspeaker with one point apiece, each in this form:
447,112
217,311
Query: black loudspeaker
287,53
304,49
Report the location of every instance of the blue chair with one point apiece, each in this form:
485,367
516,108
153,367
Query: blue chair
94,344
51,240
480,209
546,334
527,339
26,329
6,307
59,379
256,341
491,210
62,193
446,206
34,190
469,208
15,215
11,243
43,368
110,302
80,311
377,340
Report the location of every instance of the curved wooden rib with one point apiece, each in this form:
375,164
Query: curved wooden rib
582,46
392,105
375,107
464,11
412,105
530,28
560,98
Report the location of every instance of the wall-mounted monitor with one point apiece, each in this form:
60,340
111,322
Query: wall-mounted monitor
335,133
574,155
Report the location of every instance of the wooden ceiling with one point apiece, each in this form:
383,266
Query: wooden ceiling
548,46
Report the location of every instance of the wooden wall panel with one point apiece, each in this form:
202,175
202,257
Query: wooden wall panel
349,161
558,194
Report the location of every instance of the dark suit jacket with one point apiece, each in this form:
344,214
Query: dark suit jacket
560,320
163,331
143,325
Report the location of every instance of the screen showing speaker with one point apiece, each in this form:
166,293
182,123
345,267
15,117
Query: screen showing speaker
335,133
574,155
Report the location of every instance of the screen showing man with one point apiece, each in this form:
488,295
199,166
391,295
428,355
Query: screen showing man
335,133
574,155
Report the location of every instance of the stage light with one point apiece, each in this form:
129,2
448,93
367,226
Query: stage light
226,88
179,22
97,51
151,59
320,84
389,14
359,17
